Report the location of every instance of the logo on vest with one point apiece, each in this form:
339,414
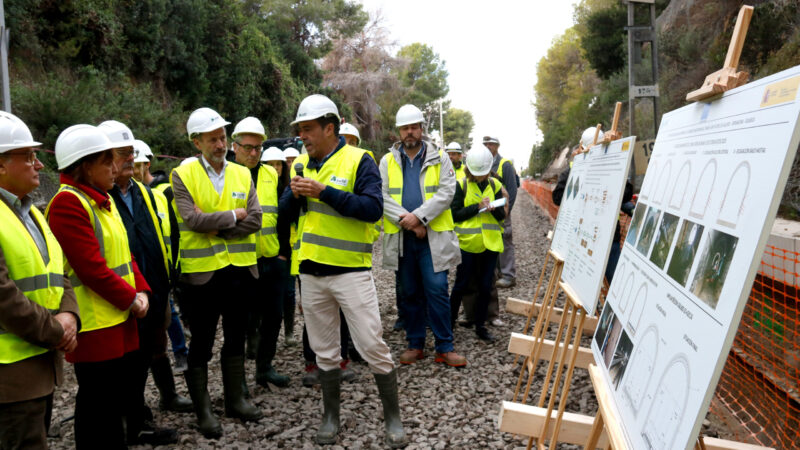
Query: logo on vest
338,180
239,195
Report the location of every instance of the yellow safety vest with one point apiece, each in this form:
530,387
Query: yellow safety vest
156,214
442,222
460,172
41,283
325,236
482,231
162,209
109,230
205,252
267,191
500,167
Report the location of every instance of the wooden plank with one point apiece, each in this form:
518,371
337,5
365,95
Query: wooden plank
527,420
521,307
522,344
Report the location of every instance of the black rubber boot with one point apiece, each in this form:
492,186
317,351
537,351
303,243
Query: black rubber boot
165,382
197,382
232,383
329,428
387,389
267,375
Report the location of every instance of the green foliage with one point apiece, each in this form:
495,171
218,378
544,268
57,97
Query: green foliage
240,57
424,75
61,100
458,125
604,42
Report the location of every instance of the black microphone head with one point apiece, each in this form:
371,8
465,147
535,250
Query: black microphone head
298,169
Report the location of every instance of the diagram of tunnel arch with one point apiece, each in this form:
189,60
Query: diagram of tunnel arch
641,371
667,407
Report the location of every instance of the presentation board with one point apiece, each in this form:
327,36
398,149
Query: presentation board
588,216
704,214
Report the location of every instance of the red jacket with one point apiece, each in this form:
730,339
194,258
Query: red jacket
72,227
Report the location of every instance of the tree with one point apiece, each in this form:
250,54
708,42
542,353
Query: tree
424,75
458,125
604,41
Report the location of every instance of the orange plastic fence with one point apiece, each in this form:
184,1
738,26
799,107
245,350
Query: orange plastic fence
758,395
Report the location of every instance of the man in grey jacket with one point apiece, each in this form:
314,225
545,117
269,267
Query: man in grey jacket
419,242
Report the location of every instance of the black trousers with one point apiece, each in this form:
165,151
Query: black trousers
24,425
478,266
267,308
226,295
106,400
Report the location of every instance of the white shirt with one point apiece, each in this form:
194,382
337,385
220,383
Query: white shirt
217,179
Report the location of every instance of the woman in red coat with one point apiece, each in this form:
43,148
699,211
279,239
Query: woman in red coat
108,285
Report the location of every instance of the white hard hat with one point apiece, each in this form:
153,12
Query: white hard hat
79,141
143,152
14,133
588,137
479,160
315,106
491,140
408,114
188,160
291,152
351,130
203,120
273,154
249,125
454,147
119,133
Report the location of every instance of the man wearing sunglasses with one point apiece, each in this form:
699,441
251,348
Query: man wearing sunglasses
38,308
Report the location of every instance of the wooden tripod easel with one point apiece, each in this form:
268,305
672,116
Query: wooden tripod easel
613,134
570,329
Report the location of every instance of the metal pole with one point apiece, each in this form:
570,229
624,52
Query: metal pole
631,81
441,122
654,57
4,36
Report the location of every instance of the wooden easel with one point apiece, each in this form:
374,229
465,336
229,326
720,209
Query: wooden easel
728,77
613,134
550,294
570,329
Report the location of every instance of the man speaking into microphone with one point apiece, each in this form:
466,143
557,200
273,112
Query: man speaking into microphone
341,186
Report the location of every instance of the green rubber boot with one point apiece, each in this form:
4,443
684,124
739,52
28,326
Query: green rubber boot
197,382
329,428
233,386
387,389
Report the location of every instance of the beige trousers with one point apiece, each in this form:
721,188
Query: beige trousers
355,294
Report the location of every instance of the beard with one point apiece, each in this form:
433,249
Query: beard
411,142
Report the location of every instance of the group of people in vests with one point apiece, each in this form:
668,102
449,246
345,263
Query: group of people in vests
92,275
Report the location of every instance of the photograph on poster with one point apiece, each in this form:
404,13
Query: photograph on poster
713,267
636,223
666,231
619,362
648,230
612,338
568,193
576,187
602,326
685,249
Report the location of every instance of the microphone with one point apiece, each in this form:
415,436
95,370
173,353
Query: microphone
298,169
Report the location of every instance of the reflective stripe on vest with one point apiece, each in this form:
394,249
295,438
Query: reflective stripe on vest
203,252
442,222
157,224
482,231
325,236
267,191
41,282
96,312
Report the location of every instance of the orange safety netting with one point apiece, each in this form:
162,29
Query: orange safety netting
758,395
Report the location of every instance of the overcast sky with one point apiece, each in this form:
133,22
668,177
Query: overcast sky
491,49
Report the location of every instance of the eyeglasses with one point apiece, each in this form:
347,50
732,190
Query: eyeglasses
248,148
126,153
30,156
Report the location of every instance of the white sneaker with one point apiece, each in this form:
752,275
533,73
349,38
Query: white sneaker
497,323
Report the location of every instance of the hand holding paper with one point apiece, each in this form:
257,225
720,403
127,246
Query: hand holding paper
495,204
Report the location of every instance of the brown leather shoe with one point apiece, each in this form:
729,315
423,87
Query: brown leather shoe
452,359
411,356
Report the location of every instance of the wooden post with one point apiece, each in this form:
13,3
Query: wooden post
613,134
728,77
